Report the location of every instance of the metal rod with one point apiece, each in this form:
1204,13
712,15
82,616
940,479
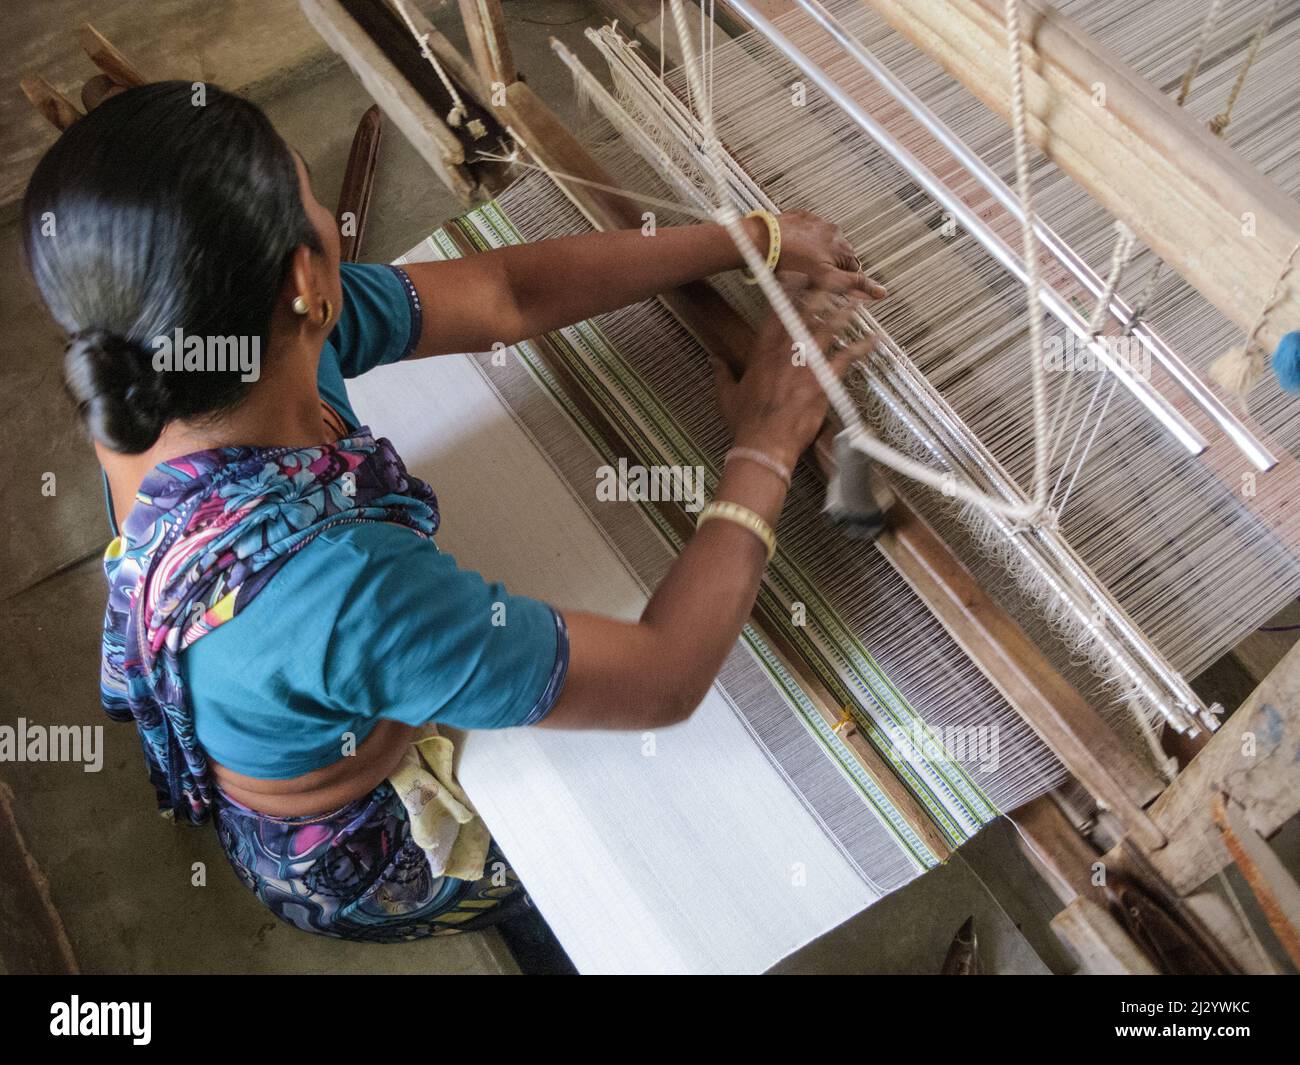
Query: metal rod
1158,406
1196,389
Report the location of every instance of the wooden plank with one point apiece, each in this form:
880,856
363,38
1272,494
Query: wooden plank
1096,939
410,112
996,644
104,55
358,183
57,109
1254,758
1148,162
1056,848
485,25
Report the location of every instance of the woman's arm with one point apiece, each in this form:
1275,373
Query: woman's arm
511,294
656,671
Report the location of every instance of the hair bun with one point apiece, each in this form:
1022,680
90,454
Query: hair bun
112,380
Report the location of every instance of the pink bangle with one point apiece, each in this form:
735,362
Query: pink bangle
761,458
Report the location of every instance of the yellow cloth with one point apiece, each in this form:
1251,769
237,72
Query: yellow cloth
443,822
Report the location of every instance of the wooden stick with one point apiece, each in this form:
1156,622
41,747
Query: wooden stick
58,110
1274,888
359,182
427,131
485,25
1097,940
105,56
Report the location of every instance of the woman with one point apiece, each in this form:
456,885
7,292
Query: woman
281,626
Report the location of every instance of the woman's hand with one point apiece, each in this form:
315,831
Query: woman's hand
777,406
815,248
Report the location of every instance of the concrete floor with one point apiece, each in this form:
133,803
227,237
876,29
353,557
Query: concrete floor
120,877
137,894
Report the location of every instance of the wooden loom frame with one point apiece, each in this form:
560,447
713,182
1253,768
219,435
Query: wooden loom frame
1159,838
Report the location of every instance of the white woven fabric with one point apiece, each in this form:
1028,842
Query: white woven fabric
694,858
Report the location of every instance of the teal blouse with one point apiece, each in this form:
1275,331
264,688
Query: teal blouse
368,621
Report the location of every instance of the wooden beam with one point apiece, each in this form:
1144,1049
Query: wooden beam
1056,848
996,643
58,110
1148,162
458,68
358,183
104,55
1253,757
485,25
410,112
1096,939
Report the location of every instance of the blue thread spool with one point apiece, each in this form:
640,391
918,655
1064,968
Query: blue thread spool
1286,362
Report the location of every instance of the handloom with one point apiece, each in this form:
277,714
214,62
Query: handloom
1060,640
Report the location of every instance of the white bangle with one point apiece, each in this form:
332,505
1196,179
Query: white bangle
762,458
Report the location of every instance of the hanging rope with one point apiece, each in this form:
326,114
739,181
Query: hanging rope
1244,365
1198,51
1029,241
1220,121
1120,254
459,112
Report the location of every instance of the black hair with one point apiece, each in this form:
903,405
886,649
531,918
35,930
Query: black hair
159,211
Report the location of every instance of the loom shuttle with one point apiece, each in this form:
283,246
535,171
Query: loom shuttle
963,957
857,499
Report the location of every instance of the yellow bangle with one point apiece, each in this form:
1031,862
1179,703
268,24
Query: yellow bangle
773,243
742,516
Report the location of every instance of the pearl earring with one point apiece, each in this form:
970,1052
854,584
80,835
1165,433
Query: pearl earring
300,305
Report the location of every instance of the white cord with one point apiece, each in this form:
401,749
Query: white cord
458,112
1029,240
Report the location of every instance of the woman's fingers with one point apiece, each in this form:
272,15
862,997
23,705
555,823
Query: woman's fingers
816,304
850,280
853,351
839,319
